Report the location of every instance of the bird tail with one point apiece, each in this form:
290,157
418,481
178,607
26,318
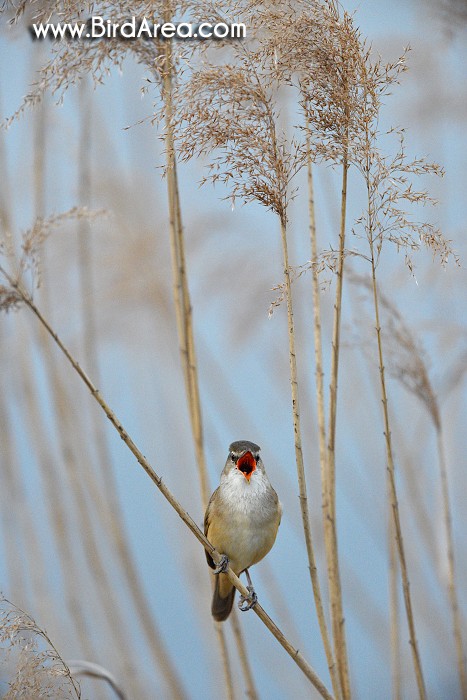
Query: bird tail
223,598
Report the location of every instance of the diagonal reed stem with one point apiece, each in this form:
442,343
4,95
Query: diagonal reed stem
157,480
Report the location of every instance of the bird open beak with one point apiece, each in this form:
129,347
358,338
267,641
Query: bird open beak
247,465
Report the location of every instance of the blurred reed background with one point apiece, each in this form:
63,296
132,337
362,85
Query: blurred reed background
87,546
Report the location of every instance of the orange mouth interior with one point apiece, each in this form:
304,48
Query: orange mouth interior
247,465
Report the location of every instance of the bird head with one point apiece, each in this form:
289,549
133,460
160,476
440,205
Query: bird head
244,456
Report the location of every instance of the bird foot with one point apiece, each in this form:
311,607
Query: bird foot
247,602
221,567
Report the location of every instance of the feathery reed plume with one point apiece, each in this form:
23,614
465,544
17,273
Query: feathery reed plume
24,264
35,666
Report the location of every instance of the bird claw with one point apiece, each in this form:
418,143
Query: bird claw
247,602
221,567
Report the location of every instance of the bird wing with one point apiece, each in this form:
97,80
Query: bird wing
207,522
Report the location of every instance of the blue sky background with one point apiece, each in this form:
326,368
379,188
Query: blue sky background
234,259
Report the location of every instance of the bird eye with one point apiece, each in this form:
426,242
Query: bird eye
232,456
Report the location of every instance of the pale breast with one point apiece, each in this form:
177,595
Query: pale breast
243,524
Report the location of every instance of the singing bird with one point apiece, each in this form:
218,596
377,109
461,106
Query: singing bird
241,522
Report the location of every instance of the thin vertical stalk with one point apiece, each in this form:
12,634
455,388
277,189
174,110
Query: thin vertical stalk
394,613
62,535
394,505
5,189
329,505
303,498
226,665
40,149
180,286
250,691
66,430
109,509
13,504
11,485
81,484
320,406
423,518
53,476
183,311
452,590
299,455
189,352
84,243
336,347
319,373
